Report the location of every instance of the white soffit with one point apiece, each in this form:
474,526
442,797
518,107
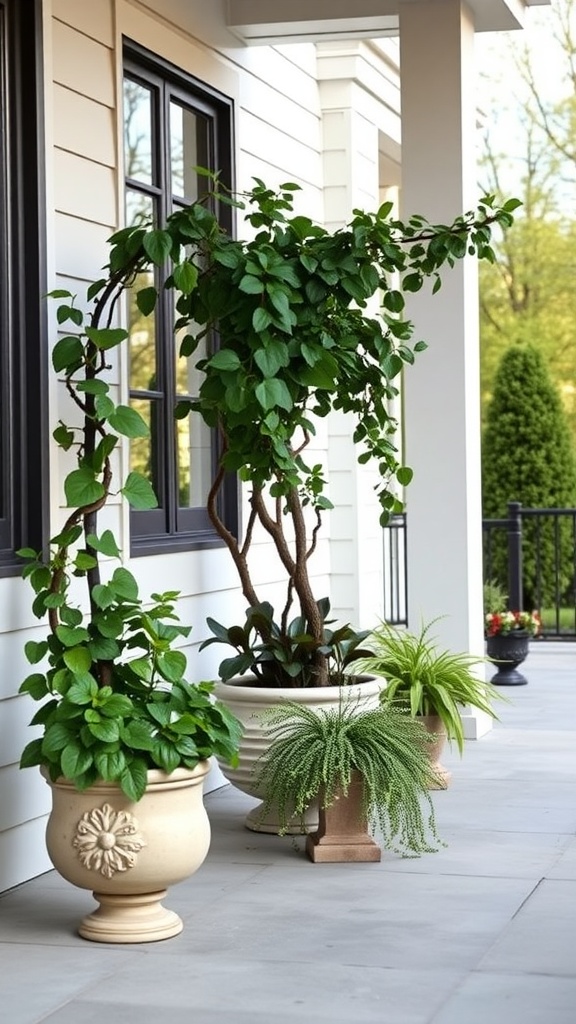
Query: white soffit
261,21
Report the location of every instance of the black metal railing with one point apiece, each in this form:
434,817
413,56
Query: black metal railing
537,549
538,570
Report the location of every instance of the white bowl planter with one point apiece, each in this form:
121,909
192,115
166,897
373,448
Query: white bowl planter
249,703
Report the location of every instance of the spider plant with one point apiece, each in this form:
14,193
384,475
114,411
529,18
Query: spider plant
427,680
314,752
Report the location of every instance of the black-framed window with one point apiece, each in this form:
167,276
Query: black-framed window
23,349
172,124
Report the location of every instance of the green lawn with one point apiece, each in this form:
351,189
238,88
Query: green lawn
567,619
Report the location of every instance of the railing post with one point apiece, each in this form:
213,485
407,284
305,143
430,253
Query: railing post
514,556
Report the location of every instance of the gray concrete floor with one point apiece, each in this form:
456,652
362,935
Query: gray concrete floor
482,932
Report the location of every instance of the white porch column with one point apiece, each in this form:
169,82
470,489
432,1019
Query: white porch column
442,415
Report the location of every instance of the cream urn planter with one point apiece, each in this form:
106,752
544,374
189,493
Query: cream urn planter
129,853
250,703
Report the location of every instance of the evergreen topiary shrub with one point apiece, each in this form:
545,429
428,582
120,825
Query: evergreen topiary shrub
528,456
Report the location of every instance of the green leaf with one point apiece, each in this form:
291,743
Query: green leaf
251,285
124,584
225,359
35,685
106,337
166,756
185,277
63,437
103,595
142,667
272,394
32,754
137,735
93,387
158,245
75,760
35,650
261,319
65,312
134,779
67,354
82,692
71,636
84,561
404,475
110,764
139,492
146,300
82,488
70,616
172,666
128,422
394,301
107,731
270,359
110,624
56,737
105,544
78,660
103,648
104,407
412,282
116,706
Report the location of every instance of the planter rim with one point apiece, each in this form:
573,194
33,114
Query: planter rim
246,691
520,633
157,780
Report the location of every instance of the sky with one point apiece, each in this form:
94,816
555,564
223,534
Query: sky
502,92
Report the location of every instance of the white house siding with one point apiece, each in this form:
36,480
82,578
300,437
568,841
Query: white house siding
280,136
359,98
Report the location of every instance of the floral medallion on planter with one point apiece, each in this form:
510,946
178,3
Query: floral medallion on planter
107,840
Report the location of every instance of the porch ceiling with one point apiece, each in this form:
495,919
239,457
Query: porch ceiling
259,21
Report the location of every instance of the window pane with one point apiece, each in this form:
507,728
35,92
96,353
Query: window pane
139,209
188,378
194,454
144,451
138,131
142,348
188,149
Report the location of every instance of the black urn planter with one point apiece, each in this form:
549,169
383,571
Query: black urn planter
508,650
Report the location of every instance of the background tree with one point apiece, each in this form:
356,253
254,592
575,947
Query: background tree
529,150
527,456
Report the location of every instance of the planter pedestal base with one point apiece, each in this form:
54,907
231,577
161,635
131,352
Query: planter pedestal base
342,834
443,775
138,918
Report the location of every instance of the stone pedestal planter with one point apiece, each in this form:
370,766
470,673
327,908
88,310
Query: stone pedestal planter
129,853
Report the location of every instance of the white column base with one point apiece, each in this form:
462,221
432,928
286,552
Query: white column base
476,723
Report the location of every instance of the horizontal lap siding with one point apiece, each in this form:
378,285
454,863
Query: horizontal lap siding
81,169
277,135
